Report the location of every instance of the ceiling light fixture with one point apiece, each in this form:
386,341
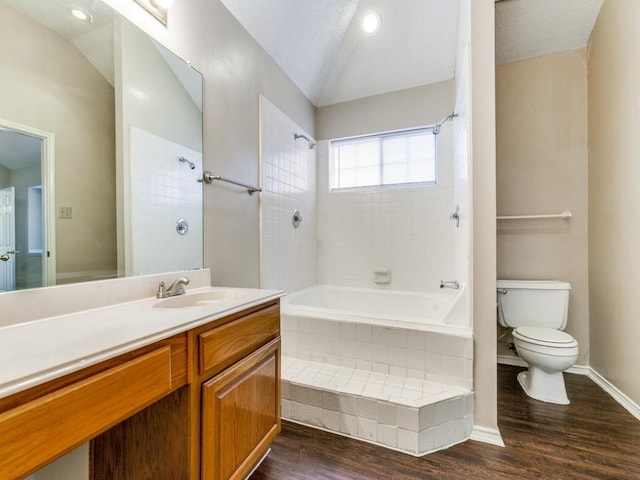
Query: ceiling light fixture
166,4
157,8
371,22
82,15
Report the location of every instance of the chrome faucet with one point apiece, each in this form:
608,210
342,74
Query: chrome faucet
176,288
449,284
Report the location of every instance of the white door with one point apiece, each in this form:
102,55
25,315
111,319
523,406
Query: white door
7,239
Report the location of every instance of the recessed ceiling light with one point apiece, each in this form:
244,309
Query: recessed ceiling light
371,22
82,15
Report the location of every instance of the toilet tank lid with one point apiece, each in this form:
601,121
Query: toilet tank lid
534,284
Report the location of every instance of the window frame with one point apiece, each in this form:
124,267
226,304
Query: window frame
380,136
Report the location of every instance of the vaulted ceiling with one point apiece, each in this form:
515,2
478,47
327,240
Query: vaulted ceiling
320,45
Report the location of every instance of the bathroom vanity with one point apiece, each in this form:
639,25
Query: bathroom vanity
182,391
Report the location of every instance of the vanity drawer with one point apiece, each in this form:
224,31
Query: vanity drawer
38,431
222,346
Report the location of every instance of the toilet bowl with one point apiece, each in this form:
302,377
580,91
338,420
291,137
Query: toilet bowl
537,312
548,352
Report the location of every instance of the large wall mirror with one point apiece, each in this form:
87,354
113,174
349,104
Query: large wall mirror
100,148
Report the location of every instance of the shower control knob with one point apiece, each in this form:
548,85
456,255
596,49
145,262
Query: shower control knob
182,227
296,219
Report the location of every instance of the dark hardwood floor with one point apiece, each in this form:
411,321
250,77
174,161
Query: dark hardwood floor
592,438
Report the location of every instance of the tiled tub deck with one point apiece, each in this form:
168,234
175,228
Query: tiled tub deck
406,389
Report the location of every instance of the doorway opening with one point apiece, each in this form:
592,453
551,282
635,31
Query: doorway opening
27,219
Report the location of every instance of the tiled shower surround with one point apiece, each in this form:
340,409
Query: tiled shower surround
410,390
406,389
165,191
405,229
288,256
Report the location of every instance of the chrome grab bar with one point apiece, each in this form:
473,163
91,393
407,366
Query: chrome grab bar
208,178
562,215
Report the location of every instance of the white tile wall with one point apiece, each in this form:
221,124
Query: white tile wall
163,191
416,355
288,256
461,187
435,417
404,389
406,229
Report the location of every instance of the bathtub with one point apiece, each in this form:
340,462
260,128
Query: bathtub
441,311
406,334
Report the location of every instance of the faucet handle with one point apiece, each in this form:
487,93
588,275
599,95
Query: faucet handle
162,292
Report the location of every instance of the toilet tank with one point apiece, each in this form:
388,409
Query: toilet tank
533,303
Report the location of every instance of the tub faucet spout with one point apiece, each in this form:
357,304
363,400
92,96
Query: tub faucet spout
449,284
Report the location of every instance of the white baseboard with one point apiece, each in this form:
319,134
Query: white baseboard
487,435
632,407
579,370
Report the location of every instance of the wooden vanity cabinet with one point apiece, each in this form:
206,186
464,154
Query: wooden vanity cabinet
221,423
240,403
42,423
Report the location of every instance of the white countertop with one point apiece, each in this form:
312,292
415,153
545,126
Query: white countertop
35,352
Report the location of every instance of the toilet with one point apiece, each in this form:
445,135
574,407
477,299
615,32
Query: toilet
537,311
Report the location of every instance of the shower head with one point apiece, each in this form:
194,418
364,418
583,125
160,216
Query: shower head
312,144
192,165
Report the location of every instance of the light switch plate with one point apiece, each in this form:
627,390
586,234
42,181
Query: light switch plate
64,212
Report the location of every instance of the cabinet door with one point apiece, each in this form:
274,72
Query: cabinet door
241,414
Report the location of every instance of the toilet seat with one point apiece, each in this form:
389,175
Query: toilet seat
545,337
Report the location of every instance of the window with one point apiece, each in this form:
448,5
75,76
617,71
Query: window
407,156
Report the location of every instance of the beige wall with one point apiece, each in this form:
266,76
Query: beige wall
68,97
482,144
614,195
413,107
541,127
236,70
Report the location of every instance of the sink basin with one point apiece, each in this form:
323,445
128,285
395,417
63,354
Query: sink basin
199,298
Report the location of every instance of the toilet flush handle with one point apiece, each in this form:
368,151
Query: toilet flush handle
501,291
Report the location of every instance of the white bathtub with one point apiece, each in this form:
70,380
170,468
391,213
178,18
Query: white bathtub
441,311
